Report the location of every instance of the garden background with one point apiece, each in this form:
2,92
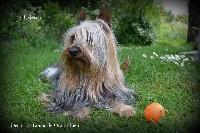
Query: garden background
31,39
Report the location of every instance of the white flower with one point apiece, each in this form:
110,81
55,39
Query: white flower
193,59
56,50
176,63
144,55
178,60
182,64
182,56
155,54
167,55
170,58
151,57
162,57
185,59
177,57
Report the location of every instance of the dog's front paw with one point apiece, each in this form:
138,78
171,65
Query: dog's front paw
82,114
124,110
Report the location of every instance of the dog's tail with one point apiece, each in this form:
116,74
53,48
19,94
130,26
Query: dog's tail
126,64
41,78
48,74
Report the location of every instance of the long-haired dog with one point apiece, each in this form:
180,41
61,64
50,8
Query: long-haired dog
88,74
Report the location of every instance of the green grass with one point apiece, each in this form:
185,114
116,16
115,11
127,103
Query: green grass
154,80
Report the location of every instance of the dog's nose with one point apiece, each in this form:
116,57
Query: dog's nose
74,51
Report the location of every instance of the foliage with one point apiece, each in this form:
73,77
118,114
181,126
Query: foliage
28,35
138,22
166,35
132,25
8,18
55,21
38,28
169,16
141,31
183,18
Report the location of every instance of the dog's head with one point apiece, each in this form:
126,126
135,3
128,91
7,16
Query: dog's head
90,44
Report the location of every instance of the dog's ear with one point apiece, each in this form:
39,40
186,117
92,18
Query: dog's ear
105,16
81,17
195,31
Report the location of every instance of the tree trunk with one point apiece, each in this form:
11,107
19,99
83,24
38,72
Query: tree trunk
194,18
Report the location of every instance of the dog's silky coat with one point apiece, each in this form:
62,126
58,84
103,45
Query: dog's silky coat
88,74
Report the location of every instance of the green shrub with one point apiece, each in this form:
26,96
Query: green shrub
183,18
55,22
27,34
177,35
136,31
135,25
135,22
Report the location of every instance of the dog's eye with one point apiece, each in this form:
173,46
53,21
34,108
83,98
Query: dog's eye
73,38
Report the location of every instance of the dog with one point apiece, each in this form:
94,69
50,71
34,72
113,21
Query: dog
88,74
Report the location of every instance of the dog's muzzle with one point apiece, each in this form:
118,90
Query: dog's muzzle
74,51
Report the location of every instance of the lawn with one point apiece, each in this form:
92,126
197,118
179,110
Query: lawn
157,74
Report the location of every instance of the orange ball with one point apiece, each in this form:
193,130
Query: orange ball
154,111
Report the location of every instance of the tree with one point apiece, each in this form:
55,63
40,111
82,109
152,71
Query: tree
169,18
194,18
